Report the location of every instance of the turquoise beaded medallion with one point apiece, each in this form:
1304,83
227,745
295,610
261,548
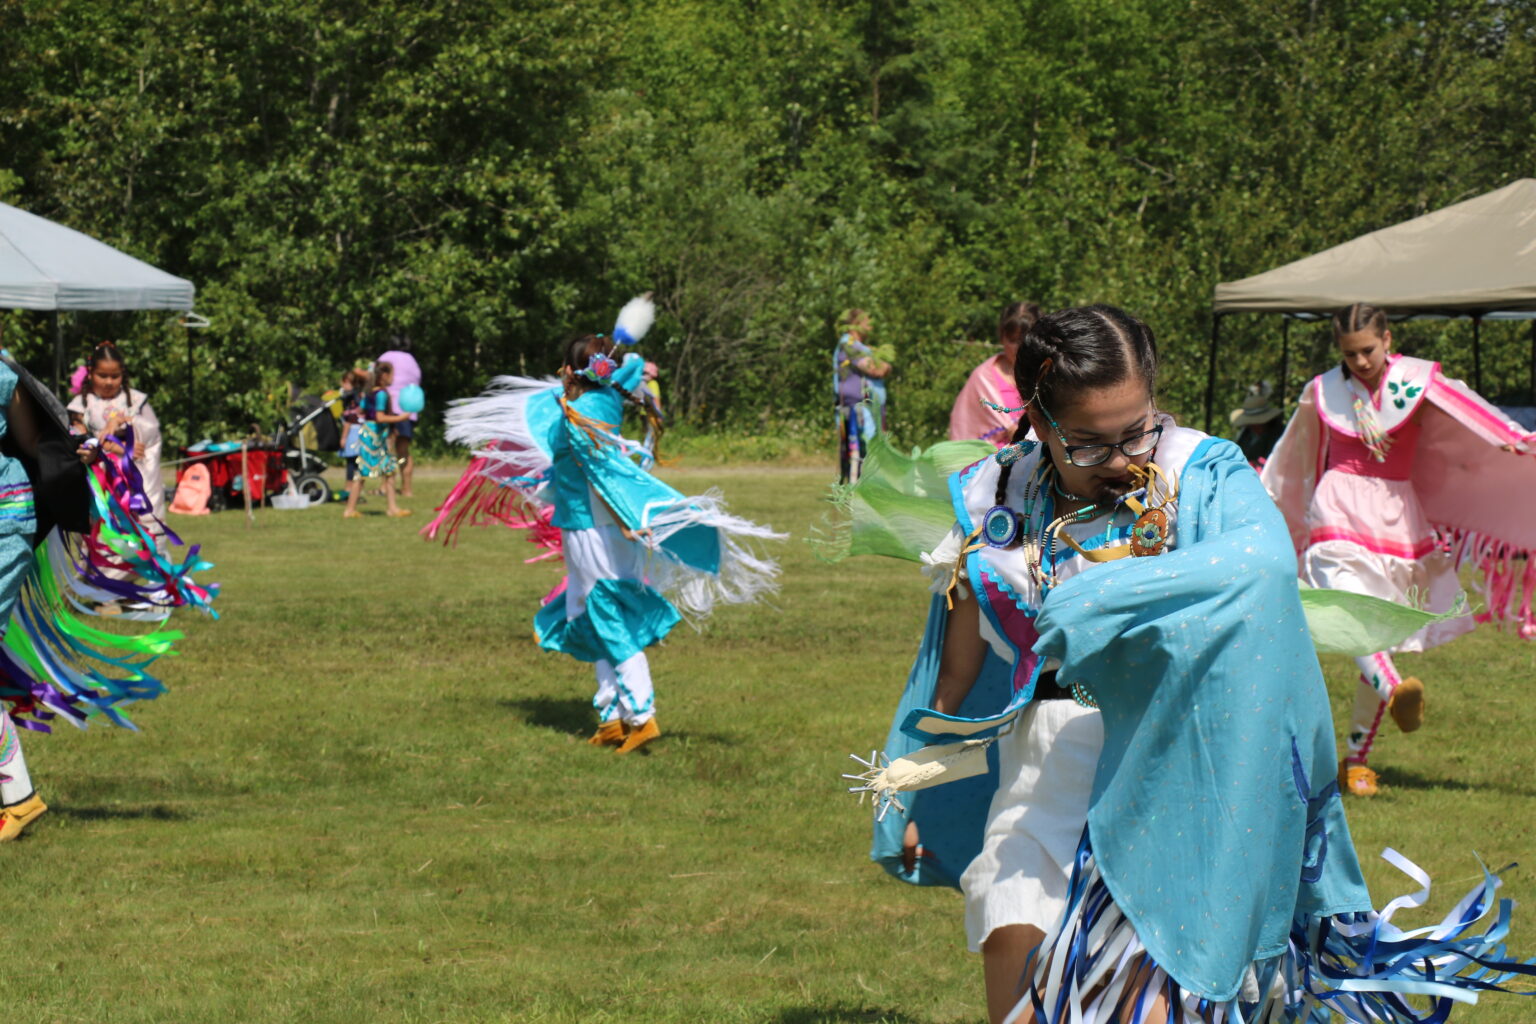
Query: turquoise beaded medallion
1000,526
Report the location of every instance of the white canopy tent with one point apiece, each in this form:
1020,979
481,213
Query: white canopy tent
1473,259
46,266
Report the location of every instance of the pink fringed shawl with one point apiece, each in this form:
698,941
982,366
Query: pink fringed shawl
1480,498
970,420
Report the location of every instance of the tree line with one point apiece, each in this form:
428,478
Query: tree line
487,177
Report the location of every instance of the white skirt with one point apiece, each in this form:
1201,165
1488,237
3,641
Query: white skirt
1036,822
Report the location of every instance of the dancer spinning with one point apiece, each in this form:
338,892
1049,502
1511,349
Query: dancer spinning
982,409
1390,476
639,555
52,664
1134,566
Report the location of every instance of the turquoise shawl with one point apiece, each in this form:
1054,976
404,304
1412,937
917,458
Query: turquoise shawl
1215,816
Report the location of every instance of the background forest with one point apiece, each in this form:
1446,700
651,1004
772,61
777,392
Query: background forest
488,176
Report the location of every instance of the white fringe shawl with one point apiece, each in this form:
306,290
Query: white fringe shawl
744,576
495,424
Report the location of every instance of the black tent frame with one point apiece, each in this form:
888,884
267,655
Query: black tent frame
1285,347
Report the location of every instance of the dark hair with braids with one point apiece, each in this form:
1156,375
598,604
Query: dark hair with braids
577,352
1359,316
1016,320
106,352
1073,350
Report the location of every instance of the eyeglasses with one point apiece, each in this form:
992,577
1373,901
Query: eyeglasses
1085,455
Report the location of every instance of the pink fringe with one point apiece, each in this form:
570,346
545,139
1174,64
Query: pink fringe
1508,586
480,499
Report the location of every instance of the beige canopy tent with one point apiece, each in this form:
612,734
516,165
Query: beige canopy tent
1475,259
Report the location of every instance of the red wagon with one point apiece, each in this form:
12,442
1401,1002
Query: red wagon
227,479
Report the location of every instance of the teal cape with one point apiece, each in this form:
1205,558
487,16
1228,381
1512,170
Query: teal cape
694,562
639,500
1215,815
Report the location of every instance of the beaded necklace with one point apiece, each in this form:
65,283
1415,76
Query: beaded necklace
1002,527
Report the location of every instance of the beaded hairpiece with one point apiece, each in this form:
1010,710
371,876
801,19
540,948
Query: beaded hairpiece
600,368
634,321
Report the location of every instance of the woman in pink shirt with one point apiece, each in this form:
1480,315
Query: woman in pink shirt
981,409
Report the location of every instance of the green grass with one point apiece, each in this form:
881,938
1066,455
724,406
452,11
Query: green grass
368,798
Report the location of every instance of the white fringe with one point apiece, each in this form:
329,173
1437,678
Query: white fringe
495,424
744,575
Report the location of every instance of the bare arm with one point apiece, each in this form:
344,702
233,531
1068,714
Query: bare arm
869,366
21,416
964,651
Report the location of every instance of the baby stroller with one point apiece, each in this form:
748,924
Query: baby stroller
305,466
270,463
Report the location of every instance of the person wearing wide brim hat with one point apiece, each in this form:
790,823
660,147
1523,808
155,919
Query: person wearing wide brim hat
1258,422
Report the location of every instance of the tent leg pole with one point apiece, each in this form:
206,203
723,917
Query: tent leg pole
1477,354
191,394
1210,373
1285,360
58,354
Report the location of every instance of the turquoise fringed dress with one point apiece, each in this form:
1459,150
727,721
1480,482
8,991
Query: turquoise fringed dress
609,612
18,521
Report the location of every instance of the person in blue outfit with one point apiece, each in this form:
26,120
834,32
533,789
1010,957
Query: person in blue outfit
859,384
1118,683
639,555
76,533
19,803
609,615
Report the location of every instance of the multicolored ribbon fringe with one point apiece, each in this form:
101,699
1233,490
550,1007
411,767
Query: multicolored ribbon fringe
54,664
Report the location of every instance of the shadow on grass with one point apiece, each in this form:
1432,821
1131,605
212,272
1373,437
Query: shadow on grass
157,812
839,1015
1407,778
561,714
575,717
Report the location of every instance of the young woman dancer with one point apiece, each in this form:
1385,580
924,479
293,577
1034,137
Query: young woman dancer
638,554
1163,839
1391,477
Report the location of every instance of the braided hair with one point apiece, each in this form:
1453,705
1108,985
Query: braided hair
1074,350
1016,320
1078,349
106,352
1359,316
578,351
1356,317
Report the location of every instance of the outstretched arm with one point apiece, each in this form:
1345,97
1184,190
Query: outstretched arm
1479,415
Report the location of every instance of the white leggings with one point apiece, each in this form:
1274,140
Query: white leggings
1378,678
15,782
625,691
601,553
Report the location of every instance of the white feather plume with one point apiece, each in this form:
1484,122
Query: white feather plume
634,320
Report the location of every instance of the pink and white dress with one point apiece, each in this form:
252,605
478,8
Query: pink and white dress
1390,494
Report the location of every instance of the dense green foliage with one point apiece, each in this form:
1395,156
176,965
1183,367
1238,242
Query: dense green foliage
488,176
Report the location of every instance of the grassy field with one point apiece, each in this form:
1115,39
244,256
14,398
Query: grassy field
368,798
